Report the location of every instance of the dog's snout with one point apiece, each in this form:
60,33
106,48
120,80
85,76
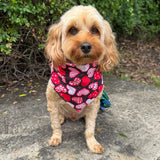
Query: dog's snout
86,47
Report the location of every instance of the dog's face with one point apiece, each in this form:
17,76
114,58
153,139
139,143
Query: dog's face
81,37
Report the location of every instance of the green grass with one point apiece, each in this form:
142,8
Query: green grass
125,77
156,80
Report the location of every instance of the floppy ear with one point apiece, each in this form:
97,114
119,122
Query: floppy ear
111,57
53,45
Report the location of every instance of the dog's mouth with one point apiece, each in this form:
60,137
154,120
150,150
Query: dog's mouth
86,56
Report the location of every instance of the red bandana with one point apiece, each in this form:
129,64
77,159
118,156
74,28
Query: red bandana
77,85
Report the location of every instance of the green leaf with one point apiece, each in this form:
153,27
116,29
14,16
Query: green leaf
41,46
51,11
5,112
123,135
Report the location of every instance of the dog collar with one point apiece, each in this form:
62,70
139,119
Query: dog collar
77,85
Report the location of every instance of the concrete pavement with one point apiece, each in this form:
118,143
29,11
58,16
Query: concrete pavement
128,130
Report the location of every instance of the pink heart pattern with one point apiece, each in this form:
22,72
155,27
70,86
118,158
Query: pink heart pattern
93,86
60,88
62,77
94,64
91,72
80,106
78,100
89,100
77,85
83,91
83,68
73,72
93,95
75,82
71,90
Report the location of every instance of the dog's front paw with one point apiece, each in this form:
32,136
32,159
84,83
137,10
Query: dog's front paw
55,141
97,148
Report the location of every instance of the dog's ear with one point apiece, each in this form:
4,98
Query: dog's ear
53,45
111,57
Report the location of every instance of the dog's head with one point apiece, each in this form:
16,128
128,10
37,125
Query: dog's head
82,36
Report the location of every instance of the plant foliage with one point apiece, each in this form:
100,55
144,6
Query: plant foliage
24,25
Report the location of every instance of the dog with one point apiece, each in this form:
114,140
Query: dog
79,47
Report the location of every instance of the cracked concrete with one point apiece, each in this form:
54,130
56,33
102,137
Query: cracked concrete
129,130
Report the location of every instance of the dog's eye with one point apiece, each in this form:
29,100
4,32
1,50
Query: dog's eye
73,30
94,30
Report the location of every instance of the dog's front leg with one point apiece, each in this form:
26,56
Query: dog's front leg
56,126
54,114
91,114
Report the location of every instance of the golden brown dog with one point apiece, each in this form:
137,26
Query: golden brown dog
81,37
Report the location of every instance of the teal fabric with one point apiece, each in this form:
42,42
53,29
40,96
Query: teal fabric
104,101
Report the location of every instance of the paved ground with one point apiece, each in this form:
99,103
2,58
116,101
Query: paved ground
129,130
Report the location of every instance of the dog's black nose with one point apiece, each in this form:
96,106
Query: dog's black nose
86,47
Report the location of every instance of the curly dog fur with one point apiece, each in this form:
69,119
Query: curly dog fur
78,25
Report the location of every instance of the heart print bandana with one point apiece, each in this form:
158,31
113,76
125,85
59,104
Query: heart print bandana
77,85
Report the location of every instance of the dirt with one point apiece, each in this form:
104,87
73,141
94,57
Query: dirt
139,61
20,91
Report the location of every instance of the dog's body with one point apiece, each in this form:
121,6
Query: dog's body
81,37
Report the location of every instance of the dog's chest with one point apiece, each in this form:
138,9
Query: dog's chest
69,112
